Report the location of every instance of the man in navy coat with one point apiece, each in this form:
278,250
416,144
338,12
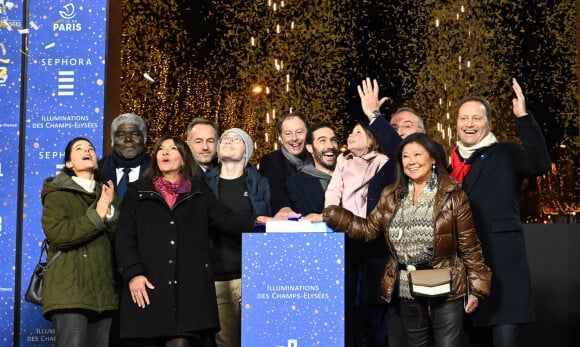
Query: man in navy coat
491,174
306,188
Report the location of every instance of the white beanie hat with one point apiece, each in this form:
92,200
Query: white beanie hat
245,137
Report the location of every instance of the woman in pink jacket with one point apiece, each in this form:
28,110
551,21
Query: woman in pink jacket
348,186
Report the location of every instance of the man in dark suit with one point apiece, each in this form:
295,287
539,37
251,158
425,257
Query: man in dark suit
128,160
491,174
126,163
280,164
307,187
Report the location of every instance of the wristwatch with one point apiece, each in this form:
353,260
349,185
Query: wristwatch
375,114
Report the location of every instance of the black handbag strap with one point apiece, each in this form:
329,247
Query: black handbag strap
44,250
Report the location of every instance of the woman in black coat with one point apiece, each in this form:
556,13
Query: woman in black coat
162,249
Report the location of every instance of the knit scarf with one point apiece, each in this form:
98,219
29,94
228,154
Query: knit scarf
461,155
295,161
323,177
170,191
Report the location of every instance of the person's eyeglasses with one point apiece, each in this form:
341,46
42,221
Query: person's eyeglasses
133,134
232,139
404,127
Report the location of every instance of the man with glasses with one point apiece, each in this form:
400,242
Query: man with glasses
406,121
128,160
239,186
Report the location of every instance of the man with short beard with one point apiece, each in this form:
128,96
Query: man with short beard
202,137
306,188
128,160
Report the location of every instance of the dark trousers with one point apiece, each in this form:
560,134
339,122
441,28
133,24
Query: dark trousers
81,329
396,334
436,323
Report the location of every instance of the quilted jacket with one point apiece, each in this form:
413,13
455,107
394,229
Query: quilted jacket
454,235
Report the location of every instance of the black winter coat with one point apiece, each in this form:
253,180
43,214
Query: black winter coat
276,168
171,248
493,187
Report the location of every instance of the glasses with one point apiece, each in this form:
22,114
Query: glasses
405,127
232,139
133,134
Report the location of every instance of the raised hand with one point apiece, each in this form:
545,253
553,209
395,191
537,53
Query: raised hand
369,96
519,101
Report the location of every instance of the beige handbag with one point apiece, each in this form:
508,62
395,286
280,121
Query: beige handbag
431,283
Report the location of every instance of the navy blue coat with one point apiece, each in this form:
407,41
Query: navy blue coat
306,193
277,169
388,140
493,187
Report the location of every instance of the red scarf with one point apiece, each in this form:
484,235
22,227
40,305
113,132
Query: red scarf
459,167
170,191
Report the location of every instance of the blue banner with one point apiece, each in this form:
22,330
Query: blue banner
64,99
10,70
293,289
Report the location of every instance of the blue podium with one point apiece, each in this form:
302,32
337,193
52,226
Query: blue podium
293,288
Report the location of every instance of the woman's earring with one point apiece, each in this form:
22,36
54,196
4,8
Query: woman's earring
432,181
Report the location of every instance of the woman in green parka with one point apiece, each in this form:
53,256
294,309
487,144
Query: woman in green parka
79,217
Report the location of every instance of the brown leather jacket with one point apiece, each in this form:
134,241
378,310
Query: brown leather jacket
454,234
